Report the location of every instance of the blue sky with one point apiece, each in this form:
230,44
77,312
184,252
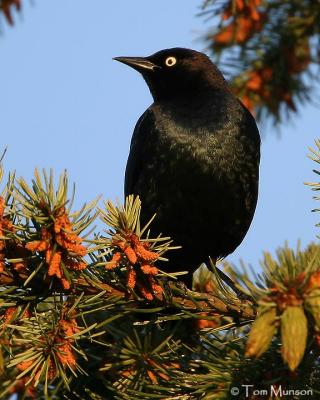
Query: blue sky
65,104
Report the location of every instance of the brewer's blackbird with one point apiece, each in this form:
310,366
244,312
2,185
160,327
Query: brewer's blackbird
194,158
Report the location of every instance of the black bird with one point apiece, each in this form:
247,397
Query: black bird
194,158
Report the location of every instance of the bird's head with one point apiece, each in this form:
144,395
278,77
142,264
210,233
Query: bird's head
176,72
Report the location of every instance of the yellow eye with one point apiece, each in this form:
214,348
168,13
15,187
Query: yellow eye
170,61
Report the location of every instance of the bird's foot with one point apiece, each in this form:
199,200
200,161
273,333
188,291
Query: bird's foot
229,282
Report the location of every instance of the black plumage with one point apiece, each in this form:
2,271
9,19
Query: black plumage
194,157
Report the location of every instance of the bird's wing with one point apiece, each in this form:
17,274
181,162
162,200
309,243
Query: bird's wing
140,151
250,127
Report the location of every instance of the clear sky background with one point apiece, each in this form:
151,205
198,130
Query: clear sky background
65,104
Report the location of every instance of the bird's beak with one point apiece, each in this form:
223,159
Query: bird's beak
138,63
